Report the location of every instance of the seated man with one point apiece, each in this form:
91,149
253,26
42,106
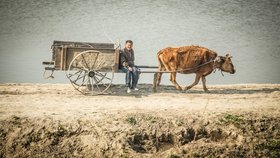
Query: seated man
127,65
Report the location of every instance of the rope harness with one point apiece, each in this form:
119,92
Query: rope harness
189,69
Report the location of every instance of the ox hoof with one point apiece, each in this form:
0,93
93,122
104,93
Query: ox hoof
206,91
179,88
154,90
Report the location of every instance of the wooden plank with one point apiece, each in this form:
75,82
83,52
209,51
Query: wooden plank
84,44
81,49
147,67
64,53
117,55
49,68
143,72
89,48
151,72
48,62
57,58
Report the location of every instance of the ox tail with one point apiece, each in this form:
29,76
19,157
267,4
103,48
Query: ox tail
157,75
160,62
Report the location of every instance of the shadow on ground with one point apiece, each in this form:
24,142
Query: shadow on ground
146,90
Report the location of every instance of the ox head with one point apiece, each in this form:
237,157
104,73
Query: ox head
225,63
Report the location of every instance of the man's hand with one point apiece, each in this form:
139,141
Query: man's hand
125,64
129,68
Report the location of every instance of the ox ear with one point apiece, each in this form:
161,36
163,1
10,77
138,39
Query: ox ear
228,55
218,59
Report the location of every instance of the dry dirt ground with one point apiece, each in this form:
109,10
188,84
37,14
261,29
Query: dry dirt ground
53,120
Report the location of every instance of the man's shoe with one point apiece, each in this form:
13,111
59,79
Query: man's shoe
136,89
128,90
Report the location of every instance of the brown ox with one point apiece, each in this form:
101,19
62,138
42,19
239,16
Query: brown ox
191,59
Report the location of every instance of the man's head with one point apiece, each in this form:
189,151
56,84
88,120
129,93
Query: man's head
128,44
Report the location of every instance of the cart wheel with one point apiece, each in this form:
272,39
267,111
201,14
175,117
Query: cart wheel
86,77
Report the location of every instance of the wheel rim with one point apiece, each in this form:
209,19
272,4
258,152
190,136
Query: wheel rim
86,77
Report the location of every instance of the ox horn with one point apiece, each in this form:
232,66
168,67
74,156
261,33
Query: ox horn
228,55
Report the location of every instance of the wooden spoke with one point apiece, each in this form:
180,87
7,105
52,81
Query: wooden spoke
71,75
85,61
79,64
79,77
93,64
102,75
96,83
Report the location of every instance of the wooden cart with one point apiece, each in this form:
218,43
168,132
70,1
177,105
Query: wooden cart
90,67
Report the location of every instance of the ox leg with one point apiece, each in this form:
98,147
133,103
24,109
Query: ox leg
158,78
197,77
173,80
155,82
162,68
204,84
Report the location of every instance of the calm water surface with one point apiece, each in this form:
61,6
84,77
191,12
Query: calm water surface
249,30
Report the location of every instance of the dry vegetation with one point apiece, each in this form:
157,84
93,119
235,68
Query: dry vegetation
52,120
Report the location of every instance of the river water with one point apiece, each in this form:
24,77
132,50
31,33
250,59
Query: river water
249,30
